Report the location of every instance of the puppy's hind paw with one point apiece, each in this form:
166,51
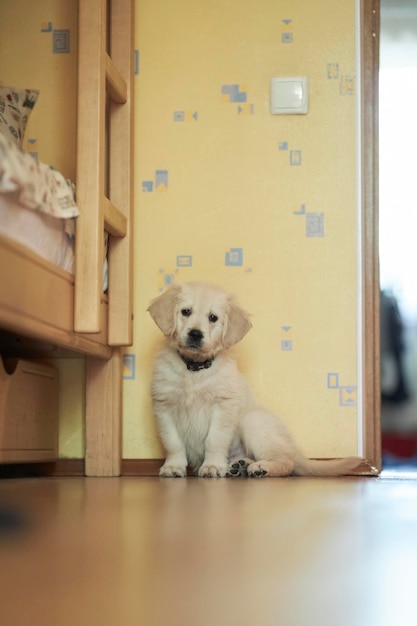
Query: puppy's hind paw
257,470
238,469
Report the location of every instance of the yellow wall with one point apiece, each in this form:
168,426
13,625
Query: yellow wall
227,193
235,177
38,50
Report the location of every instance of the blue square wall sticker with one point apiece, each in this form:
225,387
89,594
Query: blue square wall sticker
129,366
184,260
234,257
348,395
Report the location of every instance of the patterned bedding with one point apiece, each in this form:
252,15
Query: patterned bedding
39,232
37,204
35,185
32,197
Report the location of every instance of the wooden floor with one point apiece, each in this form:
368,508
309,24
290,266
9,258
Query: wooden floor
197,552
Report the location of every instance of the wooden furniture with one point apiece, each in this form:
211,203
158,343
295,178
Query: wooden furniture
28,411
42,302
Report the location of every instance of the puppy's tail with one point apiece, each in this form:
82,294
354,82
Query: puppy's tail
332,467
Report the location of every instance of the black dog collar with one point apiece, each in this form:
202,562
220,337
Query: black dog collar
196,366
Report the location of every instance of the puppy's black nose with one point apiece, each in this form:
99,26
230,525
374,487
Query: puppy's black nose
195,334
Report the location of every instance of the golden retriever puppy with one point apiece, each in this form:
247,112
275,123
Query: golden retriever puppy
206,415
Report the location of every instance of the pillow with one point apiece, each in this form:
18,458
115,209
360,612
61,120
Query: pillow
15,108
35,184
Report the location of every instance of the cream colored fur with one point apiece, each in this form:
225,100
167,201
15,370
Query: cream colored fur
209,419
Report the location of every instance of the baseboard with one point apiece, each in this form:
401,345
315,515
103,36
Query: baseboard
76,467
60,467
130,467
68,467
141,467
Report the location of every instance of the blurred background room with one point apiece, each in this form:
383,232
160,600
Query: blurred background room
398,231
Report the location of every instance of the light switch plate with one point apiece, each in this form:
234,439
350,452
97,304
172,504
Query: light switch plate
289,95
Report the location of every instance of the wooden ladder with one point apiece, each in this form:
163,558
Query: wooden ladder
105,199
104,166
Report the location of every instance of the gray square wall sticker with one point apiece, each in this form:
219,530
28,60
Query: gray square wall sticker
314,224
60,41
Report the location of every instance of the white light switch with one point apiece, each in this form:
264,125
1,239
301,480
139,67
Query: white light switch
289,95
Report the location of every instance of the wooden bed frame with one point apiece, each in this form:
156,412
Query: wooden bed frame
44,303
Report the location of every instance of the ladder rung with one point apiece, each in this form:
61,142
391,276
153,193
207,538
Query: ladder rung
115,223
116,84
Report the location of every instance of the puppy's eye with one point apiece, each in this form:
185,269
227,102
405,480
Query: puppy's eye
213,318
186,312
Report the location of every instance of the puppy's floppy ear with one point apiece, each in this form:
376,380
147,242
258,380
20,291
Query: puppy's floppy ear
237,324
162,309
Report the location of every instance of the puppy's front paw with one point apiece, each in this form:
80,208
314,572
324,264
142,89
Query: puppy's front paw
172,471
212,471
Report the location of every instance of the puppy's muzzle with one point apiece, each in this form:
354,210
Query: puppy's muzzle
194,338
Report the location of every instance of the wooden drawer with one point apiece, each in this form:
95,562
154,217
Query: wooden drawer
28,411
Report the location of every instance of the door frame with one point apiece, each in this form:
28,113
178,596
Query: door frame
369,20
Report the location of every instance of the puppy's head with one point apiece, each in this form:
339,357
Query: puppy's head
200,319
